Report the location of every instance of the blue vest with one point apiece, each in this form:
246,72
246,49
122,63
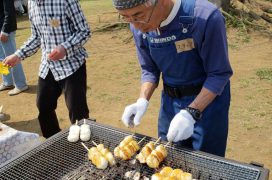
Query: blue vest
174,50
180,63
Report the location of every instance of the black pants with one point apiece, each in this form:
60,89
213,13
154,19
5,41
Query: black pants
74,88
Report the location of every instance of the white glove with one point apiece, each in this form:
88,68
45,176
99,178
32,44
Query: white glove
181,127
133,113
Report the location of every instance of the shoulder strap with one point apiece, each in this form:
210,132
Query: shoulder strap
187,12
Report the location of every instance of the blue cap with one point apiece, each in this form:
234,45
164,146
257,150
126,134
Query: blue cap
127,4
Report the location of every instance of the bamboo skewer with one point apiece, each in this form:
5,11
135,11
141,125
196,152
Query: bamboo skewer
95,143
167,144
157,141
85,146
141,140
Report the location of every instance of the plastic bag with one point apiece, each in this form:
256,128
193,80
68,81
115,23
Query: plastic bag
4,69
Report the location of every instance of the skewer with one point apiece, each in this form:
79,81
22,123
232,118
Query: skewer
94,143
157,141
141,140
85,146
167,144
76,122
134,136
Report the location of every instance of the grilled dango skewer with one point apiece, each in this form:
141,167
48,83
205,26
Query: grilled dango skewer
96,157
157,176
127,148
177,173
106,153
156,157
166,171
145,152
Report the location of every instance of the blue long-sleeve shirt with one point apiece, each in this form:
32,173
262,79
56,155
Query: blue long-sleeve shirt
211,67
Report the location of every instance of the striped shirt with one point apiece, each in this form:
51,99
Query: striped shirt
53,23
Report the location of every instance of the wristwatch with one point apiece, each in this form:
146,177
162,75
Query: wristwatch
194,112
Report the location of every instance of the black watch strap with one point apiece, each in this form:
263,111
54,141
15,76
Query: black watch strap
196,114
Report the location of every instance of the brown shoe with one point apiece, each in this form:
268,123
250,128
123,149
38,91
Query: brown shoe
3,87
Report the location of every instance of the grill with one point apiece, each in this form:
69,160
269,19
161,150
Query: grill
57,158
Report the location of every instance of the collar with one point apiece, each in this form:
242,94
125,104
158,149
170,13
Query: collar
172,14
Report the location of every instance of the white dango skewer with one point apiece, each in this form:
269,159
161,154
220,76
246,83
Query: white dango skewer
74,132
85,131
96,157
106,153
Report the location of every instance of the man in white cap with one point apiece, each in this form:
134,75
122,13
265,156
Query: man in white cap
185,41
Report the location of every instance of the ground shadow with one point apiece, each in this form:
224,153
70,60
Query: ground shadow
28,126
32,89
5,117
22,28
23,18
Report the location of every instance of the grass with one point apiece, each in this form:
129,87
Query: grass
265,73
96,6
244,83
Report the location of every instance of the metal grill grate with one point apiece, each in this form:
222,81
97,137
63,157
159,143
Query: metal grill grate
59,159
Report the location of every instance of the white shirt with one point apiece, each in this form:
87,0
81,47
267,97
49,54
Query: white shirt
172,14
53,23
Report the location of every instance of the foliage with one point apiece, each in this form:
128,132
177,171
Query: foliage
265,73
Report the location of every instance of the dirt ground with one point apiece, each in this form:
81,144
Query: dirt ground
114,81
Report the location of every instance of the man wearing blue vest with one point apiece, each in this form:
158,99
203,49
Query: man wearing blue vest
185,41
